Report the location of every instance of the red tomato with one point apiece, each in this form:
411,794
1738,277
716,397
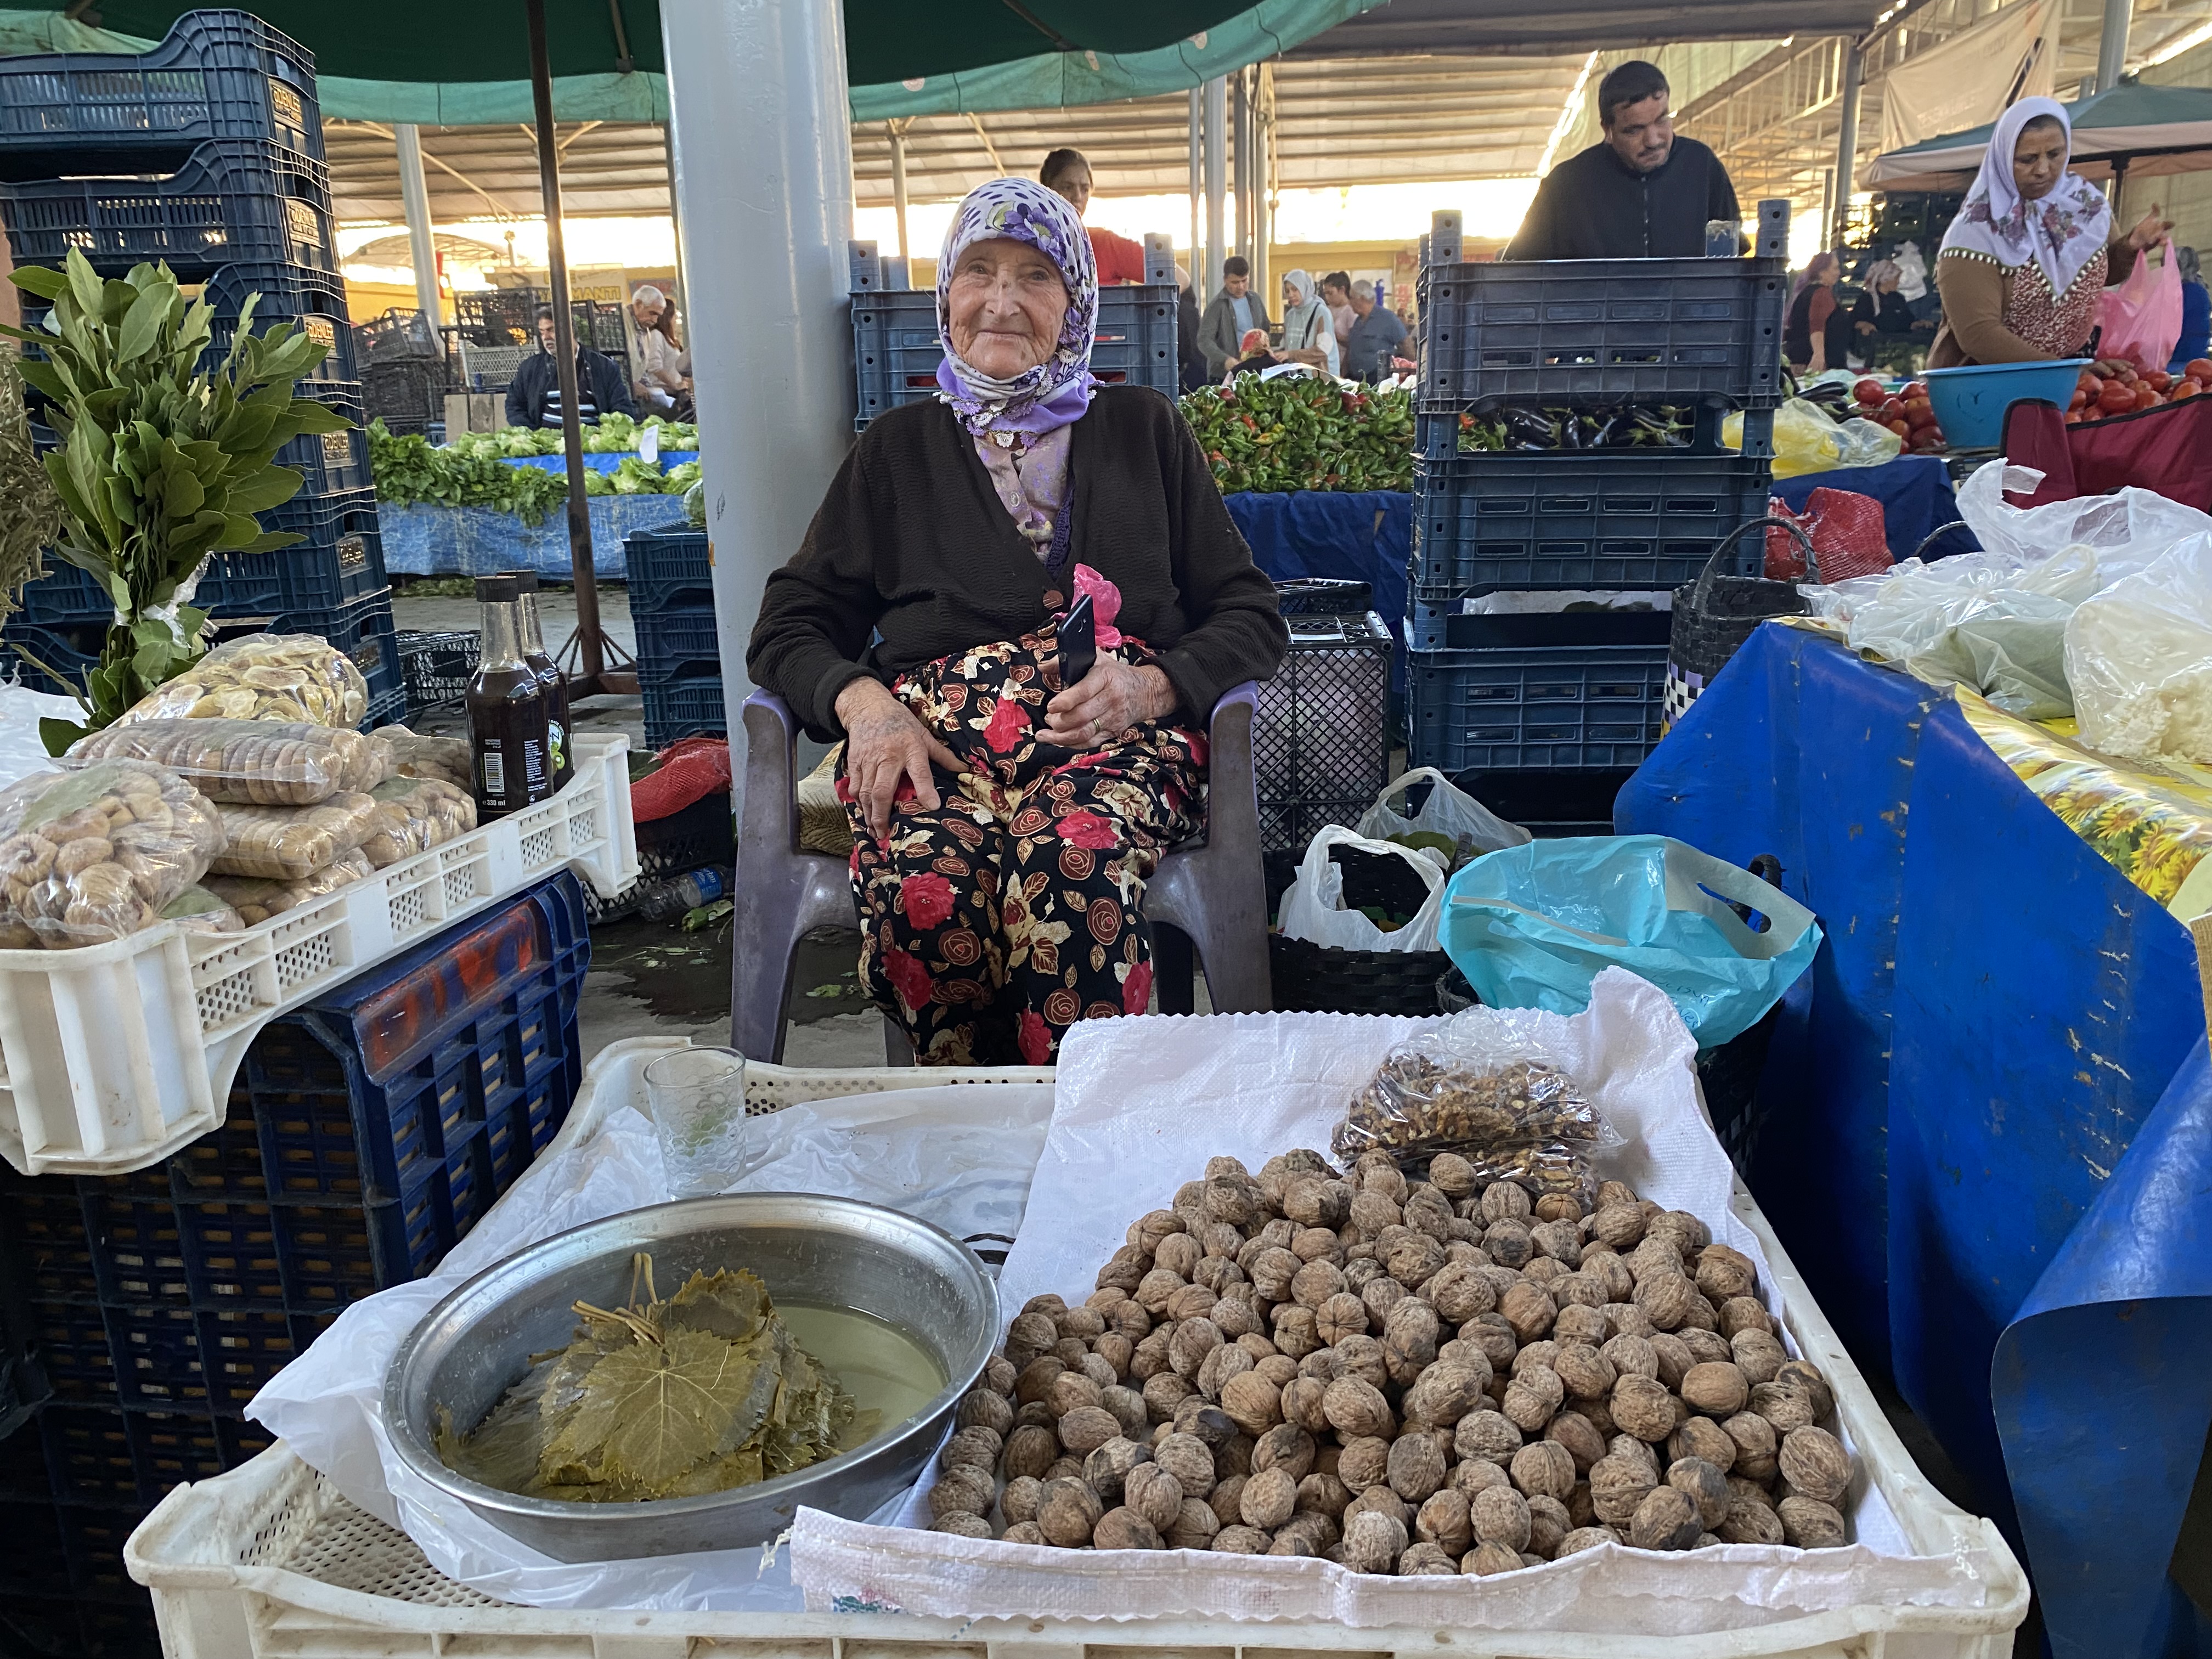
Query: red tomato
2158,379
2199,369
1891,409
2077,400
2116,399
1901,428
2185,387
1919,413
1870,392
2146,398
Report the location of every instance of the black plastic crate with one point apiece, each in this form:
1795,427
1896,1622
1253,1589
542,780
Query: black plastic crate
1484,522
677,639
216,75
398,334
1320,731
668,566
437,667
1320,595
1651,331
682,705
233,199
700,835
896,350
1548,706
410,392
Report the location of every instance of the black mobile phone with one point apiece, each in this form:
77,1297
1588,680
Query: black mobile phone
1078,643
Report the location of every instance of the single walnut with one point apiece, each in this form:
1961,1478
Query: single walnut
1306,1534
1250,1401
1810,1524
1679,1228
999,1374
1150,1357
1085,1429
981,1409
1546,1271
1220,1274
1490,1333
1458,1293
1189,1460
962,1525
1469,1479
1108,1467
1179,1254
1664,1297
979,1446
1600,1415
1499,1515
1759,1355
1584,1444
1029,1452
1373,1543
1617,1485
1074,1354
1673,1355
1193,1528
1343,1314
1364,1462
1532,1397
1580,1510
1382,1296
1129,1410
1815,1464
1443,1521
1036,1378
1357,1409
1703,1438
1068,1513
1739,1314
1302,1400
1153,1493
1155,1289
1287,1447
1654,1255
1226,1500
1803,1374
1125,1529
1443,1393
1315,1283
1233,1455
1316,1203
1529,1309
1131,1319
1021,1499
1627,1319
1666,1519
1191,1301
1070,1391
1621,1225
1584,1538
1548,1523
1416,1465
1164,1393
1587,1373
1747,1523
1560,1241
1414,1259
1783,1404
1324,1492
1723,1273
1270,1498
1543,1469
1716,1389
1706,1348
1297,1331
1508,1243
1116,1350
1580,1322
1705,1486
1241,1540
1194,1339
1428,1561
1488,1560
1487,1436
1235,1201
1757,1446
963,1488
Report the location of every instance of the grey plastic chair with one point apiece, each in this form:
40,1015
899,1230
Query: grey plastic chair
1207,896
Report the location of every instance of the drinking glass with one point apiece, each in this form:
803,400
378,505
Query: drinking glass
697,1096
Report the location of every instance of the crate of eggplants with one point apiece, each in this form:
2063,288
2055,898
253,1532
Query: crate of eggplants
1516,430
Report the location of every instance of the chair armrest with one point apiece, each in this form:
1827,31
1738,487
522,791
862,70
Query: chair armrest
769,817
1231,779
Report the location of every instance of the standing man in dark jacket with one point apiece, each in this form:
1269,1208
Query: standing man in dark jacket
1641,193
533,398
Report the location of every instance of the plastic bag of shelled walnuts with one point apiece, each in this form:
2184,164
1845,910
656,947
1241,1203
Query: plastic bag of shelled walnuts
1405,1377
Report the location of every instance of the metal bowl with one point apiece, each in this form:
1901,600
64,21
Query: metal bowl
830,1252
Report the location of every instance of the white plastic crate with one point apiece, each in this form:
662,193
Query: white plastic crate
113,1056
270,1562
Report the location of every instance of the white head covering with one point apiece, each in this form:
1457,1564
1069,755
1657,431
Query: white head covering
2061,232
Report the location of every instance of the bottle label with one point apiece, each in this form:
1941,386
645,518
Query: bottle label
557,744
537,779
494,777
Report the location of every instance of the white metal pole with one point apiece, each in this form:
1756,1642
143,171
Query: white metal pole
1847,141
2113,43
1217,144
764,171
897,131
1196,169
415,200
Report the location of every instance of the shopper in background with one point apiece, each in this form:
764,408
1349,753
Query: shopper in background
1816,336
1235,312
1639,193
1003,824
1190,371
1068,175
2195,311
659,366
533,398
1336,294
1377,334
1309,332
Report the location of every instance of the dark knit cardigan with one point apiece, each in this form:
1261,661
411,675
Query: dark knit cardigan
912,544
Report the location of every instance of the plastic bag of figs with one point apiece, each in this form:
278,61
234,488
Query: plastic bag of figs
1481,1098
1244,1378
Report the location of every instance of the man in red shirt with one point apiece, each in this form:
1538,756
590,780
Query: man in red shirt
1066,174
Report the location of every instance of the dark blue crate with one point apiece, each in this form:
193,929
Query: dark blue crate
681,704
234,200
342,560
216,74
668,565
34,1563
104,1455
73,1349
157,1357
363,630
138,1252
1535,706
315,300
93,1536
54,659
1484,522
231,1254
895,350
332,463
241,1348
678,637
47,1241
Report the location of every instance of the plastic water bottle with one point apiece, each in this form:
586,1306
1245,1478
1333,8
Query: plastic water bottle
657,900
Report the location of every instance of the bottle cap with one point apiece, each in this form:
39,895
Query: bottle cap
526,581
496,590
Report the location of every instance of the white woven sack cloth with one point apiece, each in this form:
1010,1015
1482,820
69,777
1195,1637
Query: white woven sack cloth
1141,1105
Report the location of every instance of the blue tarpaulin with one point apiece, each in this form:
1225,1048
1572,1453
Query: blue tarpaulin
477,541
1984,1040
599,463
1361,536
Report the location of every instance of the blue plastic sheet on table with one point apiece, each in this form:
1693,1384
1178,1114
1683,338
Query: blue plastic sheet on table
1993,1018
2120,1323
1915,493
607,461
477,541
1364,536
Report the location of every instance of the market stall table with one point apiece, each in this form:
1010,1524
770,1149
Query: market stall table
422,540
1984,1039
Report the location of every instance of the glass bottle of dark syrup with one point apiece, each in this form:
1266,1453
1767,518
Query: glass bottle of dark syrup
507,724
548,676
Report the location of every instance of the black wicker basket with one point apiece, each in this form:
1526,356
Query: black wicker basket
1321,979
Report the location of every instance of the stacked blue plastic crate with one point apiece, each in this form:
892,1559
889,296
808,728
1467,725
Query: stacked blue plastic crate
368,1131
1532,704
207,153
680,652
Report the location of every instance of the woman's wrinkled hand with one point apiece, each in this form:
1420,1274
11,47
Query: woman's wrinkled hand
886,746
1112,697
2151,232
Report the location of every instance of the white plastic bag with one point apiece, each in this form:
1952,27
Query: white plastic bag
2140,658
2128,528
1313,908
1448,811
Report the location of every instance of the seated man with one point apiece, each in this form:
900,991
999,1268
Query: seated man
533,398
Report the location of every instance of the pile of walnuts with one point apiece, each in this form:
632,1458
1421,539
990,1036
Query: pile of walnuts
1425,1376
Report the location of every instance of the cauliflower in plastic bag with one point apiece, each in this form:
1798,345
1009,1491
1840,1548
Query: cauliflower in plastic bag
2140,658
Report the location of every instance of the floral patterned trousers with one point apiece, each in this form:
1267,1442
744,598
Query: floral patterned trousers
993,923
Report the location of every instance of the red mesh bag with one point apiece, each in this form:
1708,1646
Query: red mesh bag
1849,537
690,769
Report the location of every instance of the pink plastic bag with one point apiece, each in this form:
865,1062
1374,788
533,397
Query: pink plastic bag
2141,318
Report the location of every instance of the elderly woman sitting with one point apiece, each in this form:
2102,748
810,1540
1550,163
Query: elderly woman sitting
1005,823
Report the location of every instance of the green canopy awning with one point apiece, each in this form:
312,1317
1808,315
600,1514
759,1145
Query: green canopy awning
2143,130
467,65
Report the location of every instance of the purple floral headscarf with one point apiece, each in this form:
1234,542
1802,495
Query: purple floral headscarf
1056,392
2061,232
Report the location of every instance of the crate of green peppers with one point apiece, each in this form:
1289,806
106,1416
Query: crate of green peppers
1301,432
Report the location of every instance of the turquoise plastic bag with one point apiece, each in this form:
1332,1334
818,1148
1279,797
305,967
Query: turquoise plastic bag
1531,926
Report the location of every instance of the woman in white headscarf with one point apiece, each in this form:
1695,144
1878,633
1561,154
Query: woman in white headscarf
2022,264
1309,330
